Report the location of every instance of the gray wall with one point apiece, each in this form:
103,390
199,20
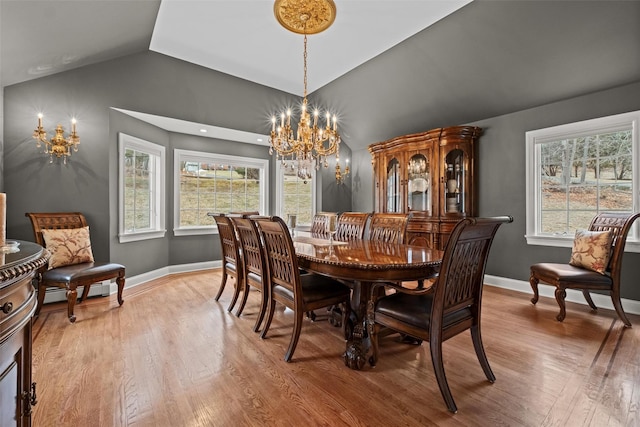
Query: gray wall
501,165
146,82
502,179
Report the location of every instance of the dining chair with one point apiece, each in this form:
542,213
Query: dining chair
452,305
66,237
254,265
319,225
586,271
231,261
300,293
351,226
388,227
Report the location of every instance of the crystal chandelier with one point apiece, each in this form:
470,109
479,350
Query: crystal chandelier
309,145
58,145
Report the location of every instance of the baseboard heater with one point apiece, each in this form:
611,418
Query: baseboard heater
58,294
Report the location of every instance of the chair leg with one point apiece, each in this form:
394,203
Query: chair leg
482,356
615,298
561,294
438,368
587,296
243,301
297,327
85,292
72,296
236,293
272,308
120,283
533,281
263,309
222,284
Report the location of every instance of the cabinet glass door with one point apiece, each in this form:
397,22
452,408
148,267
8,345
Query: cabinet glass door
419,184
455,182
393,186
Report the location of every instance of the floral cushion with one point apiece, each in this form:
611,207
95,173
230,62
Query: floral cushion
68,246
591,250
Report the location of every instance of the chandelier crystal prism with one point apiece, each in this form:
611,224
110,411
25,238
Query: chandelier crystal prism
314,139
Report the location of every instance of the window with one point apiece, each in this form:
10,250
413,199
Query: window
578,170
295,195
141,189
206,182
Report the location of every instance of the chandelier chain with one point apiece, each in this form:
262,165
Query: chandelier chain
305,66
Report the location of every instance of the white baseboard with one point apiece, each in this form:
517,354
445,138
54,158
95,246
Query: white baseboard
165,271
604,301
107,288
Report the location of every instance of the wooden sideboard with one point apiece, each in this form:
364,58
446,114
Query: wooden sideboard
431,175
17,305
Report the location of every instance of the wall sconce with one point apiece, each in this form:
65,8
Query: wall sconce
58,144
340,176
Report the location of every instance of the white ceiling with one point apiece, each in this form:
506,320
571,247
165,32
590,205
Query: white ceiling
243,38
237,37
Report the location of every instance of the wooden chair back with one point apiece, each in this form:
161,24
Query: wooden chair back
228,239
351,226
250,246
231,262
54,221
388,227
253,262
619,224
319,225
280,255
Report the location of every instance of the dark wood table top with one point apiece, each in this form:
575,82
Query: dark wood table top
366,260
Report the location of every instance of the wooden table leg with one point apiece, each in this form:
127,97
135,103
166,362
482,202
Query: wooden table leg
358,340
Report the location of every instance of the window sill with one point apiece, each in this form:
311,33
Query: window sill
194,231
146,235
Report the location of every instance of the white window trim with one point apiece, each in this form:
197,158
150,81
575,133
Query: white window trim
280,189
199,156
574,130
127,141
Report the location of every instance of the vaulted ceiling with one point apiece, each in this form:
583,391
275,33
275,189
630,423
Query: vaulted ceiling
425,63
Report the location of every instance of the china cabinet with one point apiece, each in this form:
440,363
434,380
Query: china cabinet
431,175
17,305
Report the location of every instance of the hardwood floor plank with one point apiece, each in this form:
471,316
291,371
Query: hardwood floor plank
173,356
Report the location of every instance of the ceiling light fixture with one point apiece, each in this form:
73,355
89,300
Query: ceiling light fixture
58,145
311,143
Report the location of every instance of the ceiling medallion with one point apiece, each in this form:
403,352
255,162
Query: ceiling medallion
305,16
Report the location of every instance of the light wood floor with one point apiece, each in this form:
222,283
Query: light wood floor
172,356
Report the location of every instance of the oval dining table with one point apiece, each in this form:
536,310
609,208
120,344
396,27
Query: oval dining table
361,264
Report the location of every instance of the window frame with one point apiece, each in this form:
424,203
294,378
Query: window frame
181,155
315,176
568,131
158,188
